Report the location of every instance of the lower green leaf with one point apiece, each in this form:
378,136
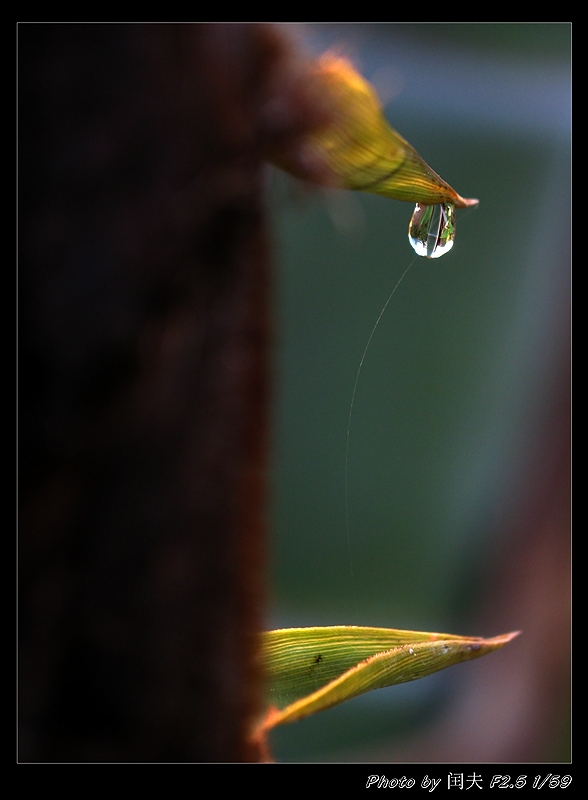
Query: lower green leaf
312,669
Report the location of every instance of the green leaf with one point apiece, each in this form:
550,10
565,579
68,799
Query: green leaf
358,149
312,669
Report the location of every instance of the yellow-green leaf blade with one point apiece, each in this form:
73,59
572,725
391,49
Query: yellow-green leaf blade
359,150
297,661
352,662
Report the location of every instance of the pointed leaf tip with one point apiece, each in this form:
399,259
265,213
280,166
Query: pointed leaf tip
358,149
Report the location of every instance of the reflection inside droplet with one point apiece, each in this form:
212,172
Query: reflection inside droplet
432,229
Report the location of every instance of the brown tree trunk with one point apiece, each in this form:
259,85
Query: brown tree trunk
143,370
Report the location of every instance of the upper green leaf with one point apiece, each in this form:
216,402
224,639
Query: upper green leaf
358,149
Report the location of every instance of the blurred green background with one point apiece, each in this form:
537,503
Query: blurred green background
453,392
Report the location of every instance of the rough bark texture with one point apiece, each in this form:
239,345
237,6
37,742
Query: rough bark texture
143,360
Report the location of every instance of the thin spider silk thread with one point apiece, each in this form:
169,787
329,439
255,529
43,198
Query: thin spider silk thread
347,527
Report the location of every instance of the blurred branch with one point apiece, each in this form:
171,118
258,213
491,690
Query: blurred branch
143,356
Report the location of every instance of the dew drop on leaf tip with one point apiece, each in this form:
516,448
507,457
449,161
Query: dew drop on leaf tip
432,229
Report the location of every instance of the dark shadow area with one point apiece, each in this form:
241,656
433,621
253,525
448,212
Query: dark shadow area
144,282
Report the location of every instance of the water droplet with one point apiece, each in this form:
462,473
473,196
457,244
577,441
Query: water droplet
411,651
432,229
